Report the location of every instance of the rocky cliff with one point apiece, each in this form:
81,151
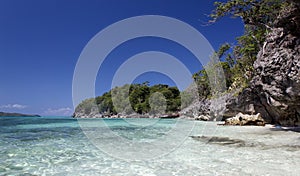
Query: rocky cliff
275,89
277,79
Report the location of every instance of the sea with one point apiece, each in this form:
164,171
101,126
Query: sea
144,147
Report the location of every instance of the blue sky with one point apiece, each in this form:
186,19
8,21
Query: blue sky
41,41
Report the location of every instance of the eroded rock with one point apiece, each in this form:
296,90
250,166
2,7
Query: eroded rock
203,118
277,70
245,119
274,91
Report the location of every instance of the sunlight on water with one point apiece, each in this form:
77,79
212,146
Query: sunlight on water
49,146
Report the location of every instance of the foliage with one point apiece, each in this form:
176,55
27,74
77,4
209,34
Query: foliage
87,105
158,104
258,17
215,78
189,95
140,98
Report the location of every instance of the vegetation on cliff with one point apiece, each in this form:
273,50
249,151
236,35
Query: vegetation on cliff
237,60
266,58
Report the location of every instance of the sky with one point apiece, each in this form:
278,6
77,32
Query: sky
41,42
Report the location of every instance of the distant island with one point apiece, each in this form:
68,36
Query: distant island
8,114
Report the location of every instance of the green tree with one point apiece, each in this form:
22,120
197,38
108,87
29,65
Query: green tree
258,17
135,97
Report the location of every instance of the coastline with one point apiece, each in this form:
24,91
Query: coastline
13,114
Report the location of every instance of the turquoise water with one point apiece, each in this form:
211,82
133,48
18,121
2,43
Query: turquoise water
65,146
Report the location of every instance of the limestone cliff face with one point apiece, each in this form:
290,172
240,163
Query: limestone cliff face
277,70
275,89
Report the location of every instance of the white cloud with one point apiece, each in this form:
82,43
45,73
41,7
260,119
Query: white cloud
13,106
60,111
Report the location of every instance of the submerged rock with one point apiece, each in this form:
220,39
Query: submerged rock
245,119
220,140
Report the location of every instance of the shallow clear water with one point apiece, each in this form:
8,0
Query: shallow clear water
58,146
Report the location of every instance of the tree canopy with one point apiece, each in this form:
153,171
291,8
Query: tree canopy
139,98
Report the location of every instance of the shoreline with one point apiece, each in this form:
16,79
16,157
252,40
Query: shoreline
272,127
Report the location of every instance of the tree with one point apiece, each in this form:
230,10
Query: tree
157,103
135,98
258,17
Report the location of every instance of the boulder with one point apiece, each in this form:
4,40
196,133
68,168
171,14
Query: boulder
245,119
203,118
